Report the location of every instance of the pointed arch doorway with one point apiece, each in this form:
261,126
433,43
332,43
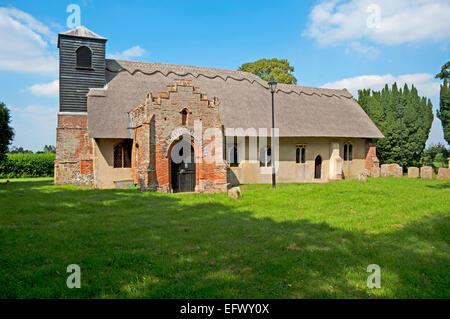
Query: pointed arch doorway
318,167
182,167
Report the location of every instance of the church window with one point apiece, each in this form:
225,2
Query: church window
300,154
348,152
184,117
122,154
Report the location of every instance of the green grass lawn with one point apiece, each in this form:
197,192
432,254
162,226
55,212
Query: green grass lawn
298,241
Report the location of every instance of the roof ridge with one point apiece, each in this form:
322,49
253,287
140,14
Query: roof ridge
188,66
310,87
250,77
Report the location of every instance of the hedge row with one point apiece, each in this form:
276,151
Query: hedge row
27,165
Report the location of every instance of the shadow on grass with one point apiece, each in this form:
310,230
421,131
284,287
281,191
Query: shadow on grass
444,185
132,244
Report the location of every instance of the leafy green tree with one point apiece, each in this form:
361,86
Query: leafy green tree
439,158
445,72
281,70
49,149
444,100
19,150
382,108
6,131
436,153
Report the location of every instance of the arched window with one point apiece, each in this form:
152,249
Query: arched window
122,154
265,157
184,117
318,167
300,154
348,152
84,57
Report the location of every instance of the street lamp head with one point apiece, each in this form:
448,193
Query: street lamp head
400,110
272,85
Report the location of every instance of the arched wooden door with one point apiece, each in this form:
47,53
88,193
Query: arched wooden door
318,167
183,172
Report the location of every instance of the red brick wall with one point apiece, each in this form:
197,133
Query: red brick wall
371,156
74,149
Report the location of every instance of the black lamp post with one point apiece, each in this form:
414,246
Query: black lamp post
273,88
400,114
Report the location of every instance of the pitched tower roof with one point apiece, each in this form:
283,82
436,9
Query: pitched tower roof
81,32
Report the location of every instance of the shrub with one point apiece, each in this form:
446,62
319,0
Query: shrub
27,165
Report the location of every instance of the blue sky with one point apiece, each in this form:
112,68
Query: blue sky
331,43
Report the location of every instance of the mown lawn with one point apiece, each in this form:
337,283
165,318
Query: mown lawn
298,241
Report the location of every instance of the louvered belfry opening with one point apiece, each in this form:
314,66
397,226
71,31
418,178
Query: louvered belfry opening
84,57
122,154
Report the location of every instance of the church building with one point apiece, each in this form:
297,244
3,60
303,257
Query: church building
178,128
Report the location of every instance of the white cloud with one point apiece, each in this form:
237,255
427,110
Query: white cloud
424,82
46,89
29,21
133,52
401,21
34,126
26,43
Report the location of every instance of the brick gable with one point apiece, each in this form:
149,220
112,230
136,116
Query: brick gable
157,126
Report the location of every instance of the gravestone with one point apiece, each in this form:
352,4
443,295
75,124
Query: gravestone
397,172
384,170
413,172
364,172
392,168
444,174
362,177
426,172
376,171
235,192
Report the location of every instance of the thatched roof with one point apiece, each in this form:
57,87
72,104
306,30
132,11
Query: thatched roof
245,101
